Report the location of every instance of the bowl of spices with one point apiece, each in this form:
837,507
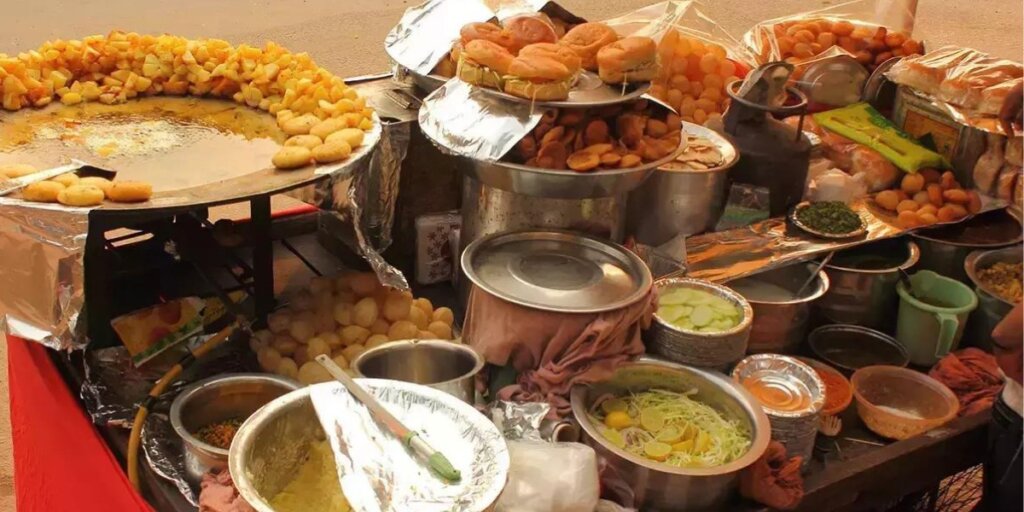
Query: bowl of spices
828,219
207,414
838,390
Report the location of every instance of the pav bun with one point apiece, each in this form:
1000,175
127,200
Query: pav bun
484,63
538,78
630,59
586,39
562,54
486,31
528,29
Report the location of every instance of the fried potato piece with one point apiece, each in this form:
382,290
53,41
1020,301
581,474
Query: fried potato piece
583,161
16,170
306,141
80,195
67,179
130,192
300,125
98,182
327,127
292,157
330,152
42,191
352,136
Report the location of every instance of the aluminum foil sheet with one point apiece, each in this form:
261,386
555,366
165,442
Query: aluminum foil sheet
518,421
113,386
462,120
166,455
377,472
426,32
770,244
43,275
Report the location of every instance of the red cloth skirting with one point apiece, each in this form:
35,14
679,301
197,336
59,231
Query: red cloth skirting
60,461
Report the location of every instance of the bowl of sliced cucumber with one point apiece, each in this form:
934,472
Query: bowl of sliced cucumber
699,323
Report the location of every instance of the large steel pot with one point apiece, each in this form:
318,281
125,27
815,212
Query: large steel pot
780,324
991,308
862,283
442,365
681,202
944,250
225,397
659,487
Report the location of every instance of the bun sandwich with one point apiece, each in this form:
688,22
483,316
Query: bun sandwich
527,29
586,39
630,59
539,78
482,62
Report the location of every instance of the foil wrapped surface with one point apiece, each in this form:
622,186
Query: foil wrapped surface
426,32
518,421
464,121
43,272
166,456
378,473
773,243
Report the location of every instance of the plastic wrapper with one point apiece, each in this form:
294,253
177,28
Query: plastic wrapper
537,485
149,331
871,31
968,85
434,259
746,205
834,185
698,57
377,471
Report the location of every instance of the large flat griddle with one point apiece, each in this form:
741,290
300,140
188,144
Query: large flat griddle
195,152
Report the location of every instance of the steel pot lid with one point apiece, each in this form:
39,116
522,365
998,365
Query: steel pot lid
557,271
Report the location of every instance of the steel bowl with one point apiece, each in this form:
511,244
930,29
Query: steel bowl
217,399
659,486
714,351
860,231
442,365
944,249
674,202
991,307
862,287
851,347
272,444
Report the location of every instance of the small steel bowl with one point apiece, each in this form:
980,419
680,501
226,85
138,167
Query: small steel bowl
224,397
439,364
851,347
714,351
835,236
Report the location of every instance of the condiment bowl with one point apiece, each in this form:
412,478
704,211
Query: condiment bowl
220,398
840,381
898,403
851,347
714,350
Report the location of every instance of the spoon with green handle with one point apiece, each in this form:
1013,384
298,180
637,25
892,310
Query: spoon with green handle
434,459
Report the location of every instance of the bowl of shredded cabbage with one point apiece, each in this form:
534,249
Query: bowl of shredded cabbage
677,435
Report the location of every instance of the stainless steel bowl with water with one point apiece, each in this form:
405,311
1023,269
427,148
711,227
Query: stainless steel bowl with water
781,319
862,283
657,486
991,307
442,365
220,398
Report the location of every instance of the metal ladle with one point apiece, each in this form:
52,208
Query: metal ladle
824,261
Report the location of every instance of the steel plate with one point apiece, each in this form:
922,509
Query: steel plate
588,91
194,151
835,236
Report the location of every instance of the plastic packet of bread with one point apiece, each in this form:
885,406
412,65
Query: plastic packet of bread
698,58
969,85
150,331
871,31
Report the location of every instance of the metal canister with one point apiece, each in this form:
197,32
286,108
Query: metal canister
991,307
862,284
715,351
944,249
781,319
678,201
791,394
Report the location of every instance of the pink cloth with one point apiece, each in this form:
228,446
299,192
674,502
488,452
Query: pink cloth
218,494
554,351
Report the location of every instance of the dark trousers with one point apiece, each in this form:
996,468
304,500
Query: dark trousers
1002,467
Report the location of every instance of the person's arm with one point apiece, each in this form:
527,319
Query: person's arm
1008,338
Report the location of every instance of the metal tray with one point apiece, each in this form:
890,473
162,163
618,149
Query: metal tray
834,236
427,83
587,91
194,151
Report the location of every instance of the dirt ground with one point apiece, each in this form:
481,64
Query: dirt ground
346,37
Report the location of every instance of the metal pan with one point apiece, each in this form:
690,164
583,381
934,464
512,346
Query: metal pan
834,236
194,151
587,91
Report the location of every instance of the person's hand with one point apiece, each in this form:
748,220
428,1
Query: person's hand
1012,113
1008,338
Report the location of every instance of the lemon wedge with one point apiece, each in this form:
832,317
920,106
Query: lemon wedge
652,420
614,437
656,450
614,405
683,446
671,434
618,420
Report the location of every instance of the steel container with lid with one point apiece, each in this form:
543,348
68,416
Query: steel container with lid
944,249
556,271
862,283
791,394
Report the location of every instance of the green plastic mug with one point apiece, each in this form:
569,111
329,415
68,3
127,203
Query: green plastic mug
931,323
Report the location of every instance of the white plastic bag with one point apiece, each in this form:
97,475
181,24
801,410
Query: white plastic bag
550,477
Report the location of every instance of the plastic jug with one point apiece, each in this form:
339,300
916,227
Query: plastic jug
931,320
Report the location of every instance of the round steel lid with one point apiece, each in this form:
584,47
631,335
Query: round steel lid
557,271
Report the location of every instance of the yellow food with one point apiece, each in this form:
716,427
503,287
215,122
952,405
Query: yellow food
403,330
317,346
287,368
441,330
907,205
1004,279
315,487
351,352
618,420
15,170
354,335
307,141
95,181
312,373
42,191
300,125
130,192
330,152
284,344
444,315
67,179
418,318
352,136
693,78
396,307
376,340
269,358
912,183
292,157
888,199
80,195
365,312
327,127
424,304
